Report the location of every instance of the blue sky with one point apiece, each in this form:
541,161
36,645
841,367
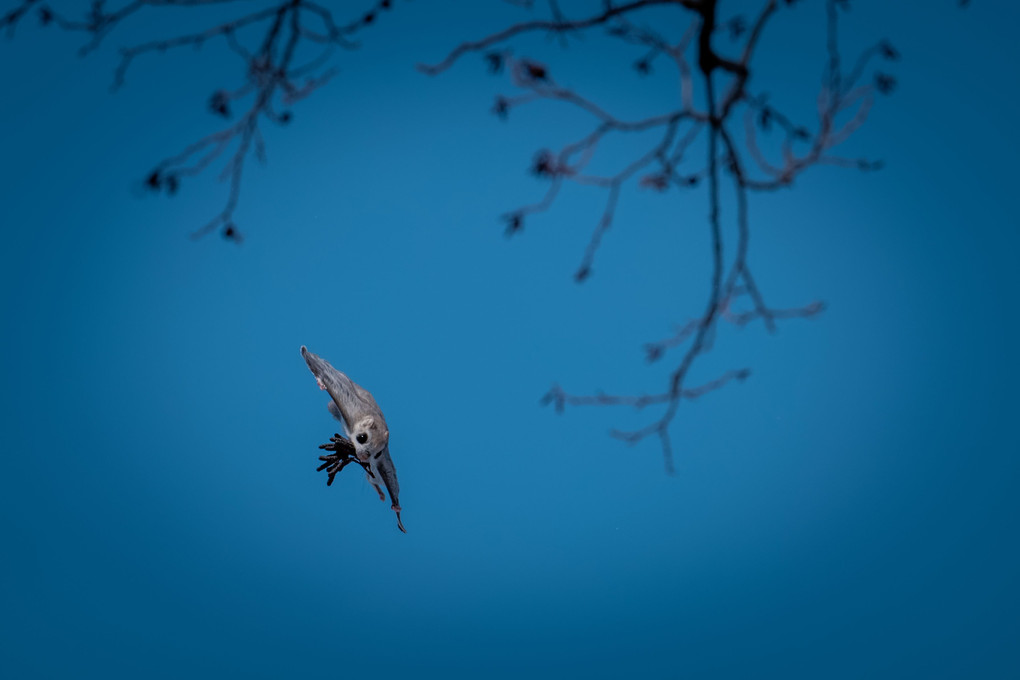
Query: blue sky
849,511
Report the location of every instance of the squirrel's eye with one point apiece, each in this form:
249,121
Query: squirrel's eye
362,438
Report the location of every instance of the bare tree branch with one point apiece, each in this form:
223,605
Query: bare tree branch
274,80
272,83
9,21
842,108
558,24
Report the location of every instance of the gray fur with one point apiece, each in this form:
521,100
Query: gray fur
355,407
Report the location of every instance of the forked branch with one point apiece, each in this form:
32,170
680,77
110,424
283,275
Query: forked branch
843,104
267,39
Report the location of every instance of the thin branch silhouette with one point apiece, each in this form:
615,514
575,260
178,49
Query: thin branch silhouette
273,79
730,124
843,104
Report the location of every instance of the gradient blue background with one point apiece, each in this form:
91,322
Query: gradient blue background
850,511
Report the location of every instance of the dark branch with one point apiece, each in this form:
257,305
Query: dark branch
272,81
843,107
558,24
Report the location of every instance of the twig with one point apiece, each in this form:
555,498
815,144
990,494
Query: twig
271,77
731,278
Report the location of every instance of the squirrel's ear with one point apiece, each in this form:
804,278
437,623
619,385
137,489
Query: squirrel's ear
368,422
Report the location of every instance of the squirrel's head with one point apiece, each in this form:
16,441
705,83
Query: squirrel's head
369,437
